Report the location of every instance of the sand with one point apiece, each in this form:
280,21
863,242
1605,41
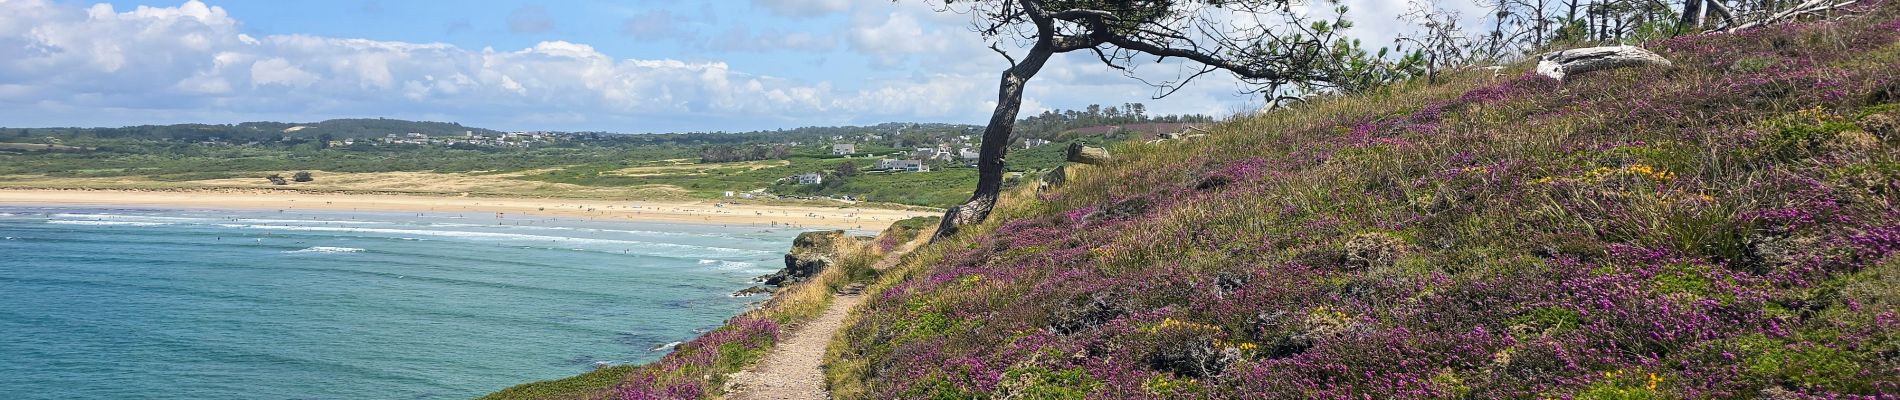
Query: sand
697,212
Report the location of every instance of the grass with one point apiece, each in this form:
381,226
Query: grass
1722,229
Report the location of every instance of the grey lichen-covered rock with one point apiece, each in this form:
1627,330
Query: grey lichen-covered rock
1561,64
1079,153
1053,180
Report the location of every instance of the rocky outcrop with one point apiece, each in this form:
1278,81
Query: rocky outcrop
1561,64
811,253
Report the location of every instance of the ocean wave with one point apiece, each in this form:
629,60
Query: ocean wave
726,251
4,215
105,223
327,249
593,230
304,221
128,217
732,265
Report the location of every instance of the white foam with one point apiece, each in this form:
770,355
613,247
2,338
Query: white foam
305,221
327,249
4,215
674,248
105,223
124,217
731,265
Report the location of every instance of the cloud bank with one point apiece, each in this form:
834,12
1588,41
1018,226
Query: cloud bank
163,63
64,63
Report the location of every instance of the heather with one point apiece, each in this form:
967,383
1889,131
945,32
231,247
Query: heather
1722,229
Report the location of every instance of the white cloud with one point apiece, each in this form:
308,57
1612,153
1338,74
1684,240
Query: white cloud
192,60
278,71
62,63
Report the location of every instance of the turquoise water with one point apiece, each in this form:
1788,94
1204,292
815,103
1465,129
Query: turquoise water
172,304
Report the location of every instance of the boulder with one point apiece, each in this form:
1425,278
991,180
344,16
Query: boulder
1054,179
1561,64
1079,153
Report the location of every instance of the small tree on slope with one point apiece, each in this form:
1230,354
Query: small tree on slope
1272,45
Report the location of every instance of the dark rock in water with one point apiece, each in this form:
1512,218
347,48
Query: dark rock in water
752,291
665,346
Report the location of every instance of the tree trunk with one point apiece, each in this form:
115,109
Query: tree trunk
1691,17
989,167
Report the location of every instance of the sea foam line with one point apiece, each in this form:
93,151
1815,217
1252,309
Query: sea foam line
105,223
497,236
327,249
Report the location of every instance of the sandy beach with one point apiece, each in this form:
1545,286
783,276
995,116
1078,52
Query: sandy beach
803,217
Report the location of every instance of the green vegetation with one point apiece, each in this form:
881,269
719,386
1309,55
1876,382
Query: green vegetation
231,156
1713,231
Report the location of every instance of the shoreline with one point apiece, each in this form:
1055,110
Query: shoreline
686,212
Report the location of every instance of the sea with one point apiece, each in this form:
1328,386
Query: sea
201,304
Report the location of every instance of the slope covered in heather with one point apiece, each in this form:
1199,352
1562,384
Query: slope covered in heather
1721,229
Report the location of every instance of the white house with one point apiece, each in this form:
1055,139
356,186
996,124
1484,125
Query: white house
843,149
809,178
1034,142
969,154
903,165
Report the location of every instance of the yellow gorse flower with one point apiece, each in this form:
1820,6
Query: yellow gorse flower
1601,173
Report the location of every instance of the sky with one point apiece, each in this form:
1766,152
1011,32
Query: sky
558,65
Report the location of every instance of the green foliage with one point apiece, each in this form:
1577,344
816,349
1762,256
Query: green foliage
577,386
1039,383
1800,134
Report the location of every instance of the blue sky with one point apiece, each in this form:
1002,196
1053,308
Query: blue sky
621,66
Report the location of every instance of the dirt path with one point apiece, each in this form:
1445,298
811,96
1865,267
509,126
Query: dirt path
795,368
